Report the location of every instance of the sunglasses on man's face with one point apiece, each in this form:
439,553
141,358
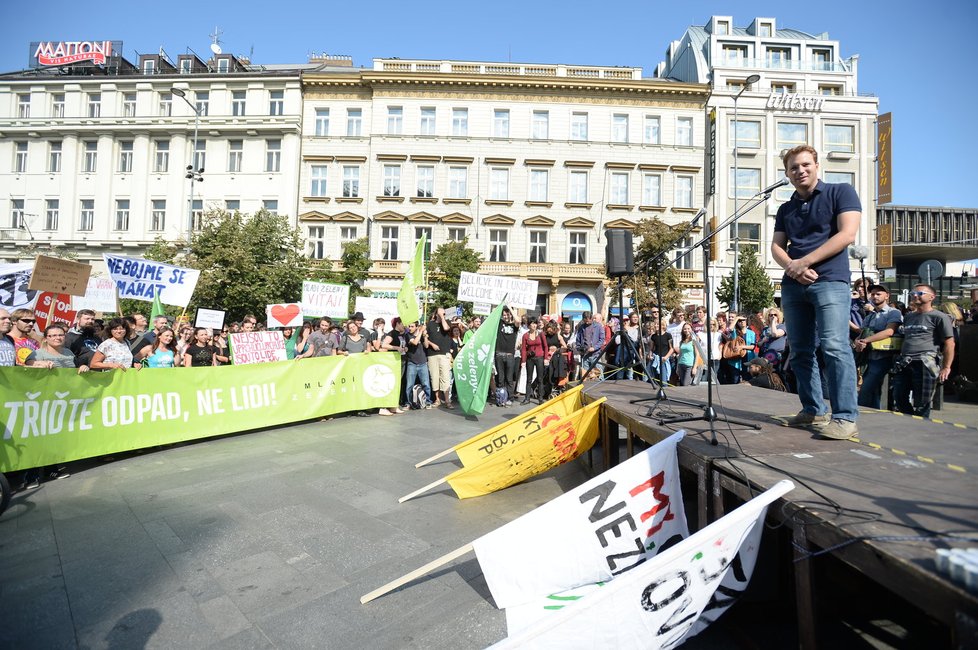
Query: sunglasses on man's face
27,320
920,293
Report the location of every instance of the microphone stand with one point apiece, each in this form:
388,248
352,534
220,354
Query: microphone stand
709,413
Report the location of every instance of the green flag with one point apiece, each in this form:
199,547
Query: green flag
407,300
157,308
473,365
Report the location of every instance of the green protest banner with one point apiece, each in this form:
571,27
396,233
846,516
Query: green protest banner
55,416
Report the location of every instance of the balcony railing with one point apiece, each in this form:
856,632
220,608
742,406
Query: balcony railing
790,64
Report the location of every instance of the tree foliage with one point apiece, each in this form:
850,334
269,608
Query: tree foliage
447,263
654,236
756,289
356,263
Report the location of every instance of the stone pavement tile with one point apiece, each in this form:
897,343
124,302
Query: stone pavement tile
473,623
175,621
224,616
37,619
26,574
194,576
213,535
100,534
163,536
250,639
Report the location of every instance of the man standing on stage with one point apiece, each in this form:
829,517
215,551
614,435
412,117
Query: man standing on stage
926,356
811,234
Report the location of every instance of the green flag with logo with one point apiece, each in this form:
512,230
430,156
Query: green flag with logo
473,365
157,308
407,300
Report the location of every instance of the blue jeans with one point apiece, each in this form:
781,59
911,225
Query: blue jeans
872,388
821,309
417,371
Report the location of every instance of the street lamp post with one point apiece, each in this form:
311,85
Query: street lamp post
735,303
192,173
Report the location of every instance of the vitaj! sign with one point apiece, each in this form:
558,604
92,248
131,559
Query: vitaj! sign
46,53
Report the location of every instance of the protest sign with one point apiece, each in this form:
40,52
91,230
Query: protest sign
53,308
210,318
60,276
372,308
14,286
481,308
476,287
322,299
284,315
50,417
99,296
140,279
257,347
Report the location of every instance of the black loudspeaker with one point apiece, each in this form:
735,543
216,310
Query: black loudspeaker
618,253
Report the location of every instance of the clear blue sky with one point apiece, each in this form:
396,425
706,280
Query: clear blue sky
916,57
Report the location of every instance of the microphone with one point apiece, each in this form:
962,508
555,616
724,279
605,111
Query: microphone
771,188
858,252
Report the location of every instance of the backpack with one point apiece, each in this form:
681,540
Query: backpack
419,399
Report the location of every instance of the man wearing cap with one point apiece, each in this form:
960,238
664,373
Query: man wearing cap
878,326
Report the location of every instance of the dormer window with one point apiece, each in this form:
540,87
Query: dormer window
224,65
765,30
186,66
723,28
149,66
822,59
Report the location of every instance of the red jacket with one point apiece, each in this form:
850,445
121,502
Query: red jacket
539,346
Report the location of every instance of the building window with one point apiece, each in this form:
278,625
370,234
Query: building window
157,219
578,130
747,182
20,157
149,66
202,101
652,131
538,246
392,180
723,28
426,181
456,234
276,102
270,205
395,120
95,104
161,160
54,157
577,187
782,87
166,104
651,189
577,245
684,192
351,181
765,30
619,188
200,155
86,215
619,127
684,260
457,181
318,173
539,184
17,213
500,123
748,134
238,101
51,210
734,54
223,65
499,183
58,105
235,155
24,106
540,129
460,121
316,242
684,131
497,245
129,105
197,214
388,242
232,205
273,155
841,177
348,234
90,160
840,138
423,231
779,57
125,156
427,126
749,235
186,66
122,214
354,121
822,59
322,122
791,134
829,89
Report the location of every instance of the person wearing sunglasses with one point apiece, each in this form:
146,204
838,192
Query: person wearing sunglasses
927,353
811,234
25,338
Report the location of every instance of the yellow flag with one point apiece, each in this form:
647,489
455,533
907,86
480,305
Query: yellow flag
480,447
555,445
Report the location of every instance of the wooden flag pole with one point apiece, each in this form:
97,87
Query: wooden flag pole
435,457
424,489
408,577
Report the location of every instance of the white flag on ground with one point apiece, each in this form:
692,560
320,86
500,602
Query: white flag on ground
600,529
656,605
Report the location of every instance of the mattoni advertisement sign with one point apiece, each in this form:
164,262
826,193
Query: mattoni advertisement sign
47,53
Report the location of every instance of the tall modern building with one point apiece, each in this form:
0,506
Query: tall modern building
528,162
804,91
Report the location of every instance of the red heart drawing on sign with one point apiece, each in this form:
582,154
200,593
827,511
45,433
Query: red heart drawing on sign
285,313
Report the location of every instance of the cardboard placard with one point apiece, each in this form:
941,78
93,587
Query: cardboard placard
60,276
100,296
284,315
210,318
257,347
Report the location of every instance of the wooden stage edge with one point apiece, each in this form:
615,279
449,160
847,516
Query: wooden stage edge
882,503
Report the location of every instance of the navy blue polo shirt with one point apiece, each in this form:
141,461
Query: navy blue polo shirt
809,224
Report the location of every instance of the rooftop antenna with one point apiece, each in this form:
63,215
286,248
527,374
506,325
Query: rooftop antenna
216,40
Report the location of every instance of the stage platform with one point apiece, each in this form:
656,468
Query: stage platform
882,503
